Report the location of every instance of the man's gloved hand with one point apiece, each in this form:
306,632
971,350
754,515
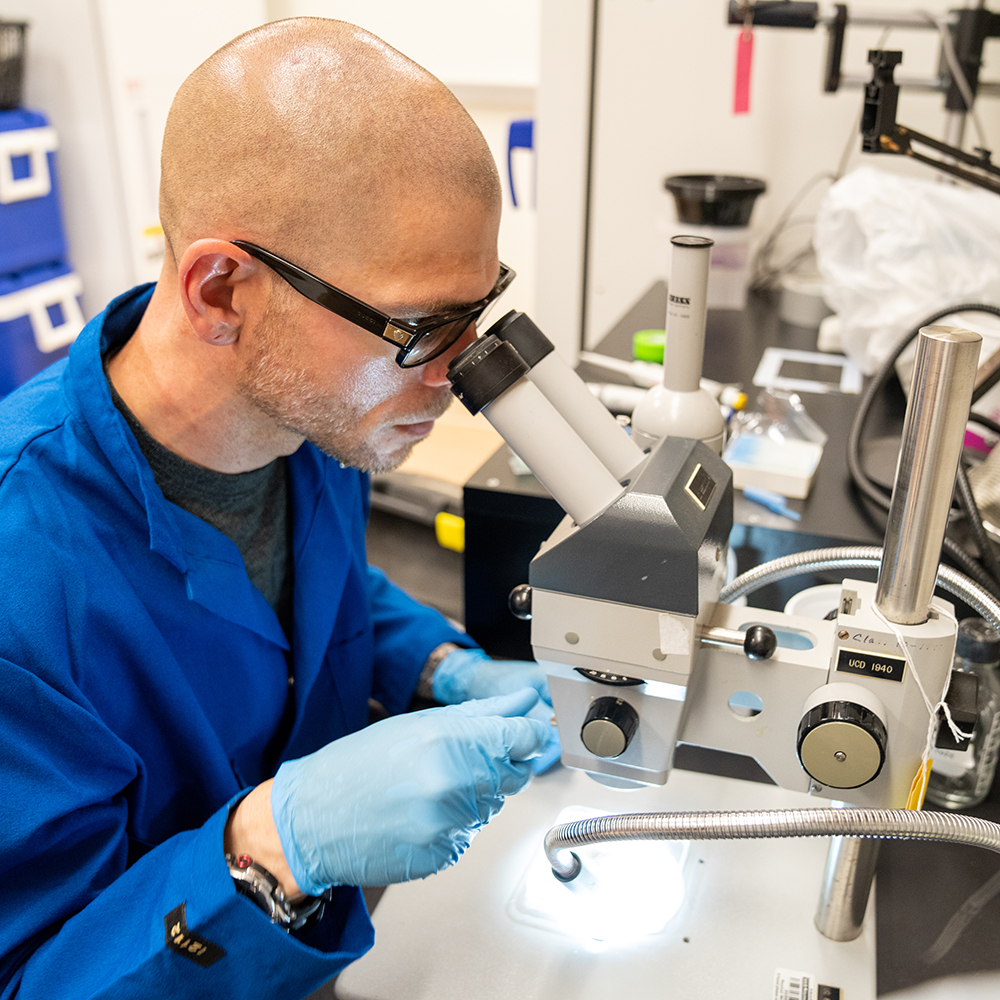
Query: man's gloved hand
403,798
469,673
553,750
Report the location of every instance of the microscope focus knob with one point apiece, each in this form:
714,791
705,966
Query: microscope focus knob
519,602
609,727
842,744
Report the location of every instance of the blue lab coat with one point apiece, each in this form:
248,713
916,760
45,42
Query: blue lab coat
142,678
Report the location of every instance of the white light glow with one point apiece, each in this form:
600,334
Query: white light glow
661,689
627,890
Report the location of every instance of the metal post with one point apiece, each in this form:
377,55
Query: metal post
847,883
944,373
943,376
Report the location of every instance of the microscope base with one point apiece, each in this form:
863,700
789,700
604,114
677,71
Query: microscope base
747,914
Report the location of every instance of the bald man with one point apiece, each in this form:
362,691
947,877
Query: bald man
190,633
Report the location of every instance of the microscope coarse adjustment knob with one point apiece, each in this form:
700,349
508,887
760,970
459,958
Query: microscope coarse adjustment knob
842,744
519,602
609,727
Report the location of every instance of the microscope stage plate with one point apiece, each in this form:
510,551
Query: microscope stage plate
745,920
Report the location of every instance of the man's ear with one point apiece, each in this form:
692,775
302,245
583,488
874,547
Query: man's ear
213,277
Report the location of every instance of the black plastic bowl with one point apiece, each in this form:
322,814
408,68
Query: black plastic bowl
714,199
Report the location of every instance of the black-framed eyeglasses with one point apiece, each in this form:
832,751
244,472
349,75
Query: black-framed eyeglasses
419,340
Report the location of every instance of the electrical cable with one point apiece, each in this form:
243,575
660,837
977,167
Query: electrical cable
969,565
764,273
980,420
957,73
987,553
878,494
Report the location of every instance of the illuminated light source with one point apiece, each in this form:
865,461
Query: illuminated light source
627,890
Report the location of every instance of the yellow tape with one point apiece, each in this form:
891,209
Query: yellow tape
919,787
450,531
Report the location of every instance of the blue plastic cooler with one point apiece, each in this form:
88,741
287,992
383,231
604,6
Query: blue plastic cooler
40,316
31,231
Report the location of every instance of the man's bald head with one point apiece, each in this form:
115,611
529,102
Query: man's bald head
308,136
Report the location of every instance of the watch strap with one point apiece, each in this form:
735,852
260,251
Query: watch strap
255,882
425,685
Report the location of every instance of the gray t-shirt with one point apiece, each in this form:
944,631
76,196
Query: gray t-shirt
250,508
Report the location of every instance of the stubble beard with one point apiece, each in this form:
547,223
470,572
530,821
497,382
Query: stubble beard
332,421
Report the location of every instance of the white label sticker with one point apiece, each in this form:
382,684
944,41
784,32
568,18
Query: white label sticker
789,985
676,634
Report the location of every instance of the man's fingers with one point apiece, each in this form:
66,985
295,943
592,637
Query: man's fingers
524,738
507,705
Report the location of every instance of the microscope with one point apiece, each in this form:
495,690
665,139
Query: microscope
623,597
629,613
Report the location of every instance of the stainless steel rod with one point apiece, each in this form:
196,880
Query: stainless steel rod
847,883
933,84
868,17
933,432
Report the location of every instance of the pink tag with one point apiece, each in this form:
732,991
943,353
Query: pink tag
744,56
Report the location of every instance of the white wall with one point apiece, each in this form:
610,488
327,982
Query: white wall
488,54
664,106
459,41
105,71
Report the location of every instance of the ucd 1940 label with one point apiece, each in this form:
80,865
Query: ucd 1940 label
890,668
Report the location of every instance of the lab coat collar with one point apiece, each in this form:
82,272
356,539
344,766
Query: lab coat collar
214,569
92,396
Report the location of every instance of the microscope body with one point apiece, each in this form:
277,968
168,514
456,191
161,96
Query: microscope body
618,598
641,657
623,595
840,714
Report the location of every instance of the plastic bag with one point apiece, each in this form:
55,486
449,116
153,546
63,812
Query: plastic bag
893,250
778,415
775,445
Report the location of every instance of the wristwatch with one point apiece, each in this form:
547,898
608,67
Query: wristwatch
425,683
257,883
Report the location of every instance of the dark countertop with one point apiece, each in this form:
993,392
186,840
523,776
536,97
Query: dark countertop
734,344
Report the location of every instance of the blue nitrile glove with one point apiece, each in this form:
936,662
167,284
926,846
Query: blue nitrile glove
403,798
552,752
469,673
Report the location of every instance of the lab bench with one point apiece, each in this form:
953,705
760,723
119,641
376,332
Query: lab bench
920,887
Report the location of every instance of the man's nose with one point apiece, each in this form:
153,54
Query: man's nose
435,373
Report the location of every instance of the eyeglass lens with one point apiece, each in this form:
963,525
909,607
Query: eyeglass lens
437,341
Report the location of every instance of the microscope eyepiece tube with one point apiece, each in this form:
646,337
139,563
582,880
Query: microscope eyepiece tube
482,371
489,376
687,307
679,407
933,433
569,394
